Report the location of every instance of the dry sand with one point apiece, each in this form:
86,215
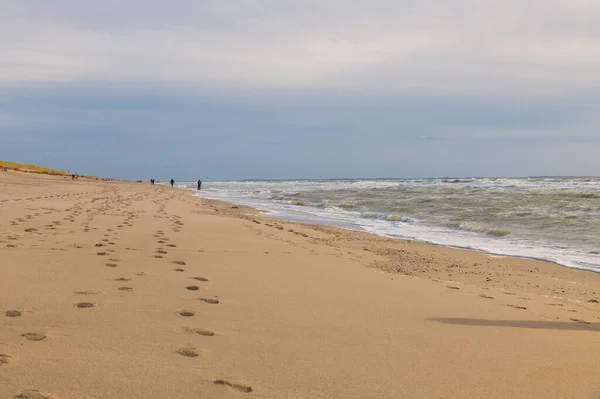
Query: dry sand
123,290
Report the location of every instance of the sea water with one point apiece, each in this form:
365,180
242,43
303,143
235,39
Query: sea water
554,219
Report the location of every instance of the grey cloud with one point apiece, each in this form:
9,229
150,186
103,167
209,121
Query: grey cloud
380,45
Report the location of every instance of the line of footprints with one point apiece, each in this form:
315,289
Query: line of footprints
191,352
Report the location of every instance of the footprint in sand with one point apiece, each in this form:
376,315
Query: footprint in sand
101,253
580,321
212,301
179,262
187,313
125,289
35,394
158,256
86,292
199,331
234,385
160,251
188,352
192,288
200,278
111,265
171,245
122,279
34,336
4,359
83,305
13,313
179,270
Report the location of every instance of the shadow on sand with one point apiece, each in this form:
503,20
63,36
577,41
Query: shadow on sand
574,325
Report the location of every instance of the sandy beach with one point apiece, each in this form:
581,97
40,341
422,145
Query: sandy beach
127,290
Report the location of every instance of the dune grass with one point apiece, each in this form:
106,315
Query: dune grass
31,168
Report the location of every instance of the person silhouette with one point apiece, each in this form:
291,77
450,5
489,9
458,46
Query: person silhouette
199,184
172,182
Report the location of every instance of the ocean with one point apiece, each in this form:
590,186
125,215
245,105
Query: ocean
554,219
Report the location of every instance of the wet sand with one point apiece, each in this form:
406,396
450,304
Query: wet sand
125,290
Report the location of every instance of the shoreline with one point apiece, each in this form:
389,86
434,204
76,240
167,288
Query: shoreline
458,258
267,212
168,295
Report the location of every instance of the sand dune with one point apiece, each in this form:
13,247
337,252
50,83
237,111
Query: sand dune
123,290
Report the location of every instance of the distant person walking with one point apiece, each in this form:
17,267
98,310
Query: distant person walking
152,181
172,182
199,184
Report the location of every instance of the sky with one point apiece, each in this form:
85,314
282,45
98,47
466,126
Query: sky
276,89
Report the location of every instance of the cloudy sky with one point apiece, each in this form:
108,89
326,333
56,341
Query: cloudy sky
301,88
